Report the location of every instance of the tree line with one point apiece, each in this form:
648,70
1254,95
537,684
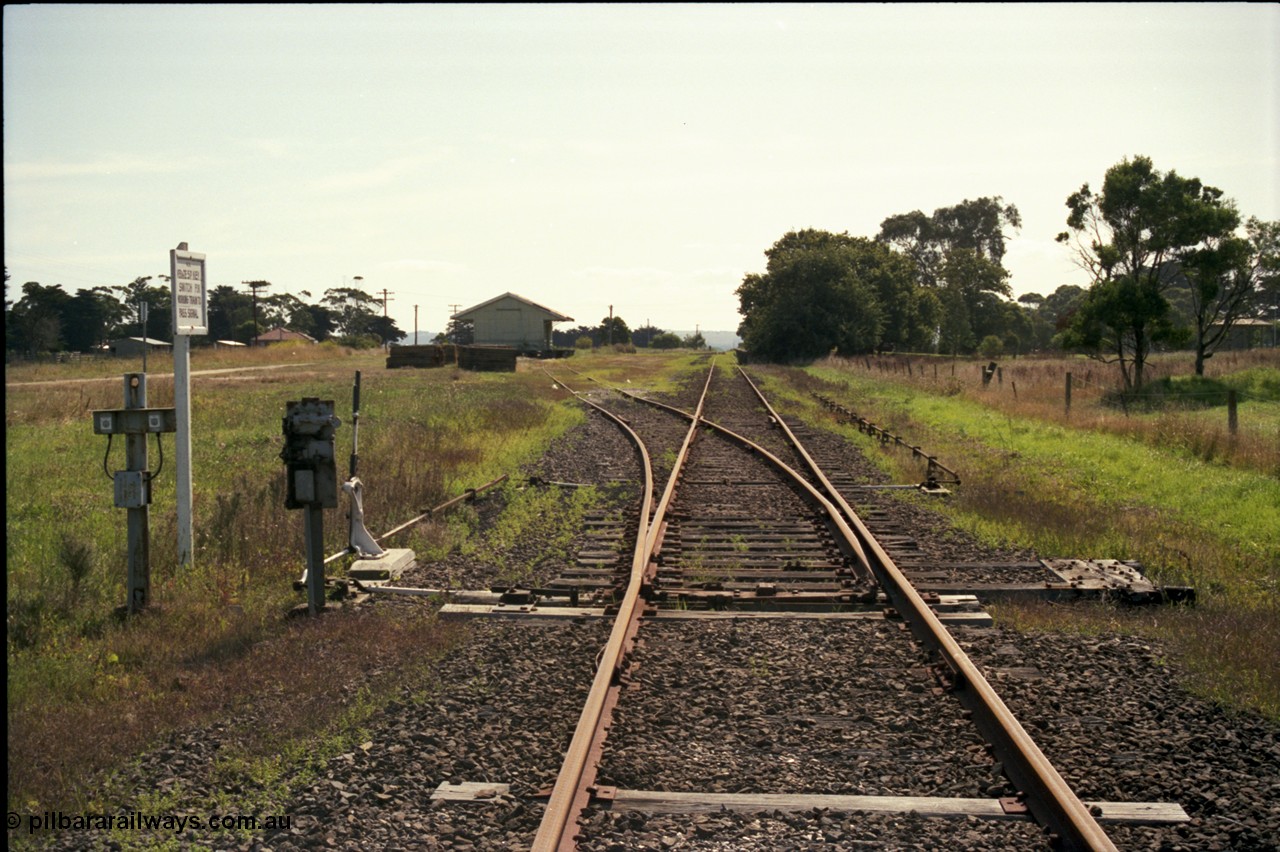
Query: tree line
1172,264
46,318
612,331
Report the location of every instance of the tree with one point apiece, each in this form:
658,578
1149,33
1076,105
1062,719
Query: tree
976,225
459,331
1228,280
1265,239
1059,306
352,309
1117,322
665,340
254,287
975,285
612,330
822,292
644,335
35,322
229,311
1130,237
90,317
314,320
955,332
279,310
572,336
694,341
384,328
1220,290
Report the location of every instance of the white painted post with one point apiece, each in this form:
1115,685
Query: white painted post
189,283
182,476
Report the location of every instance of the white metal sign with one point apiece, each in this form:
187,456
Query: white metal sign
190,296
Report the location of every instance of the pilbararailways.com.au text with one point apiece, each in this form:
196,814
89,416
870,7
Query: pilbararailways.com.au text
138,821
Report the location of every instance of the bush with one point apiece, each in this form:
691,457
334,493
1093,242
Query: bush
666,340
583,342
360,341
991,347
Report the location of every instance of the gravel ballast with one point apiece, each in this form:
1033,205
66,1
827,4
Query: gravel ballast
769,716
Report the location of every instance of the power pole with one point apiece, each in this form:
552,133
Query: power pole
255,286
415,325
386,296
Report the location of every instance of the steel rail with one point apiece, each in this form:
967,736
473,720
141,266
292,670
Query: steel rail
829,509
1048,796
572,790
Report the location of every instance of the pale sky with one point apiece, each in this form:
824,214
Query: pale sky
643,157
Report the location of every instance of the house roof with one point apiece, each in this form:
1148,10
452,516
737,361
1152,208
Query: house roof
555,315
281,334
149,341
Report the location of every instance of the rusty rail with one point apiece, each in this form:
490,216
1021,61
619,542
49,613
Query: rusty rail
572,790
1048,796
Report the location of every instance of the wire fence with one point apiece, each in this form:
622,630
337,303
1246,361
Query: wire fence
1095,395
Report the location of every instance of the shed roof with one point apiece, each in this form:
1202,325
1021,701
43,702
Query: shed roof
554,315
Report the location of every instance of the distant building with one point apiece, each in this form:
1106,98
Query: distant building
279,334
1247,333
511,320
127,347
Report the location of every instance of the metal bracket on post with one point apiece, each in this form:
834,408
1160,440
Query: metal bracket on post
132,487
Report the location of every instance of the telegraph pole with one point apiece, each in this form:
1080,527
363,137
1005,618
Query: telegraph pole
386,296
255,286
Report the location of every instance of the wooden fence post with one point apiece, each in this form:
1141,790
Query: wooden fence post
1068,394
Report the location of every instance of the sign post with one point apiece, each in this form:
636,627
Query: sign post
190,316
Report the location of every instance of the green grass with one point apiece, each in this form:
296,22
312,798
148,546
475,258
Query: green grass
87,691
1065,490
545,515
1109,474
425,436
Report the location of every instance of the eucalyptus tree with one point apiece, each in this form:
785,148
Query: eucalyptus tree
977,225
1132,237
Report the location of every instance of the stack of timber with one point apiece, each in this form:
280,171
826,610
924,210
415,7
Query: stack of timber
487,359
422,356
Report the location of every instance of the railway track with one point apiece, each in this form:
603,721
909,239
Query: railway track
765,702
751,568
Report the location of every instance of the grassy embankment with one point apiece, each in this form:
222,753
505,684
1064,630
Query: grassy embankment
1167,486
86,692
